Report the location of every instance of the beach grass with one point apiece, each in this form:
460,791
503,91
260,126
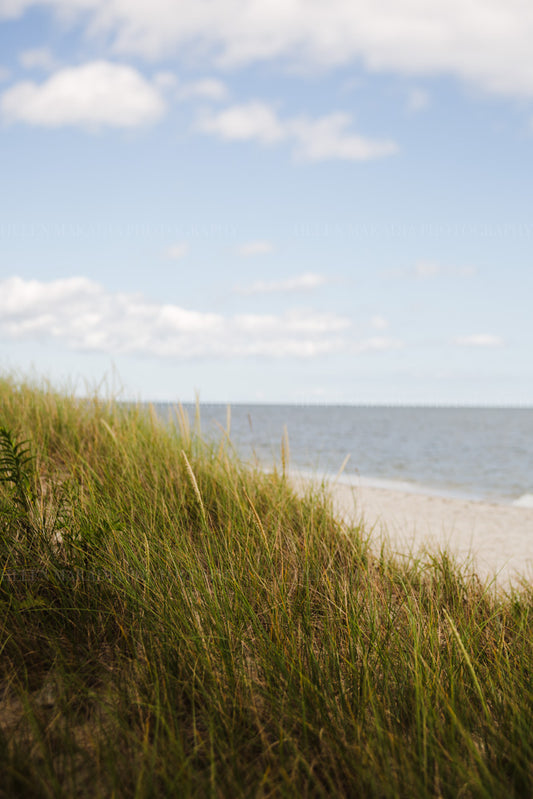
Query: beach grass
176,623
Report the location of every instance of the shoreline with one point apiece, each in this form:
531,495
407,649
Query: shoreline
407,486
493,539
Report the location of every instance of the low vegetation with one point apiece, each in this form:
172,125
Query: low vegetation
174,623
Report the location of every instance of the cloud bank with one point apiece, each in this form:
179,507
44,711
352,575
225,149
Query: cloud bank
484,42
82,315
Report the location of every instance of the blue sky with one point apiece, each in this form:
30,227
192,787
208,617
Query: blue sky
264,201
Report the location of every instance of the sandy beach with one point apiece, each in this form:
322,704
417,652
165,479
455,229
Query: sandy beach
498,539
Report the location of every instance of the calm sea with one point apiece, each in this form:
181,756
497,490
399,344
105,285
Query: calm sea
476,453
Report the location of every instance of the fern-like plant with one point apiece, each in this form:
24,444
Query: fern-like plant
15,472
15,458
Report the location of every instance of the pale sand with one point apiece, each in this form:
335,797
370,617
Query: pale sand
494,539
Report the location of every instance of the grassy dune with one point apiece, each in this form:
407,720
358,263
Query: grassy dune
173,623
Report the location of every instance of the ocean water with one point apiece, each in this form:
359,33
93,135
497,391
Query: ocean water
476,453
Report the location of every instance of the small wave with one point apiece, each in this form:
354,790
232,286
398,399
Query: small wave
525,501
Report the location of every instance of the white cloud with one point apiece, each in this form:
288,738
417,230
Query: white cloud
429,269
82,315
206,88
319,139
417,100
93,95
252,248
379,323
426,269
177,251
304,282
378,344
249,121
38,58
329,138
479,340
165,81
484,42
